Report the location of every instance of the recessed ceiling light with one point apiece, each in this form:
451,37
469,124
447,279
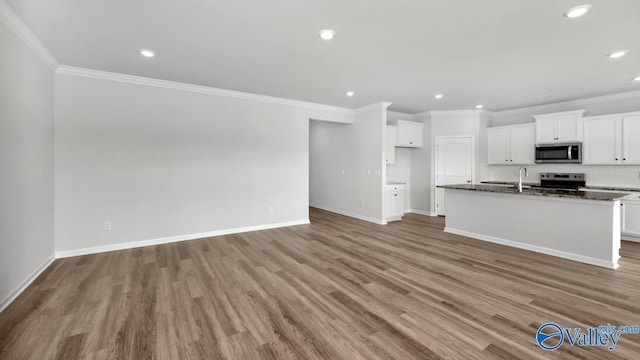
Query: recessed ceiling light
327,34
439,96
350,93
479,106
577,11
147,53
618,54
637,78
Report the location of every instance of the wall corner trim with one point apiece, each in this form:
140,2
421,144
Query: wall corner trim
140,80
22,32
173,239
15,293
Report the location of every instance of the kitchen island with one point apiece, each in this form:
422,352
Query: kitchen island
578,225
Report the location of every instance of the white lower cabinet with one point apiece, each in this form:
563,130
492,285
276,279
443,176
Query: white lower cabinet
630,215
394,195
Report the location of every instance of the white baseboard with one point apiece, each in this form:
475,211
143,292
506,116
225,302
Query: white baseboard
357,216
172,239
540,249
421,212
629,238
15,293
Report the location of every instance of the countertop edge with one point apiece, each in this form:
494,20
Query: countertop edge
500,189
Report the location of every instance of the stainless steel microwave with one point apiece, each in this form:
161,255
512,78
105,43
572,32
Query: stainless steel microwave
559,153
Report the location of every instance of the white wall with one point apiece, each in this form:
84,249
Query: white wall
616,175
346,165
26,164
158,162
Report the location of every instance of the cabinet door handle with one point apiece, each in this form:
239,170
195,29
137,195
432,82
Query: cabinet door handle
395,194
624,159
616,159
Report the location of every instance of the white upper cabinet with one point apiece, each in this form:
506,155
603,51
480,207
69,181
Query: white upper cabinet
559,127
602,138
611,139
631,139
409,134
511,145
498,145
390,145
522,143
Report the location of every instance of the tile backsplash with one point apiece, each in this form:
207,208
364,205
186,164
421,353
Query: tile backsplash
609,175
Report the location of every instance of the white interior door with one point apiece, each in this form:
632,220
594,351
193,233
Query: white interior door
454,165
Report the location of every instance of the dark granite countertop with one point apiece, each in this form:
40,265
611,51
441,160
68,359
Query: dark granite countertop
609,188
584,195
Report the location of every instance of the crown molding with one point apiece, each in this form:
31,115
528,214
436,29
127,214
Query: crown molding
22,32
473,112
432,113
424,114
381,105
139,80
579,103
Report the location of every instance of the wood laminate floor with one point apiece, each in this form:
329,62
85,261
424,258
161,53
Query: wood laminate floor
336,289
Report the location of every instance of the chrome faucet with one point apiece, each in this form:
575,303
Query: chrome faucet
526,173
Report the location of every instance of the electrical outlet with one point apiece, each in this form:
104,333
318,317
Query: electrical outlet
107,225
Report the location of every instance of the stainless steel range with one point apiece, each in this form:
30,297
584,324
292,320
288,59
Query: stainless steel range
568,181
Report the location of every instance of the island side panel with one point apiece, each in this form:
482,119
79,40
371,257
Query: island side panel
582,230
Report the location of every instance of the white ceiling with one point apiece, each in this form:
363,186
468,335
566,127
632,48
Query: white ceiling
501,53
